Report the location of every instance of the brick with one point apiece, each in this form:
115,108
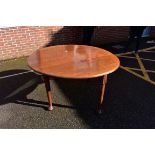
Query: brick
23,40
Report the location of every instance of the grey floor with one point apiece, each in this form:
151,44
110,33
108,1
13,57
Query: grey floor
129,101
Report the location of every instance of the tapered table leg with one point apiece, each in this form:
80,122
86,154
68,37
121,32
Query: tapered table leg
103,84
48,90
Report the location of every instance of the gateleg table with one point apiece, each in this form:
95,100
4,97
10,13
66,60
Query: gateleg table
73,62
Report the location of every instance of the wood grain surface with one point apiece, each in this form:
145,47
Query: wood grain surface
73,61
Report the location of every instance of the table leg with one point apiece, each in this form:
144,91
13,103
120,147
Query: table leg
48,90
103,84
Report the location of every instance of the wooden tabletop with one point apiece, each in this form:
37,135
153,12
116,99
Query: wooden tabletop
73,61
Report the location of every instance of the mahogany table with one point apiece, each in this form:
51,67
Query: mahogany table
73,62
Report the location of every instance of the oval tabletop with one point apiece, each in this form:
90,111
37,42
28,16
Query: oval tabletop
73,61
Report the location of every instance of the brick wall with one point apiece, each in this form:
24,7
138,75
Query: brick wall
22,41
109,34
153,31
